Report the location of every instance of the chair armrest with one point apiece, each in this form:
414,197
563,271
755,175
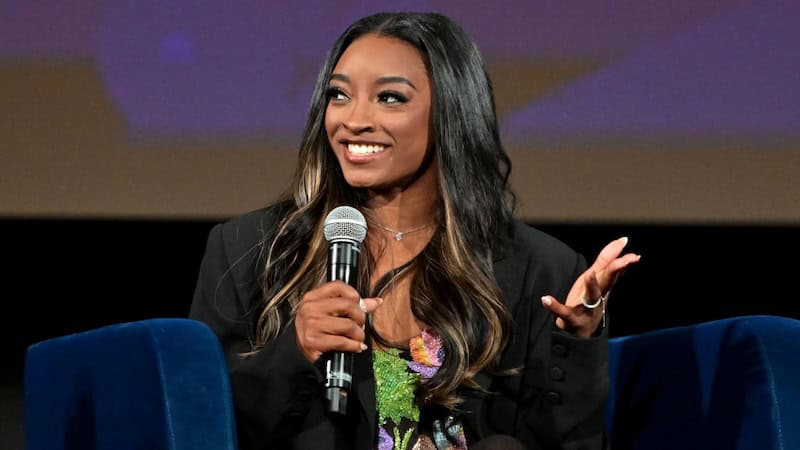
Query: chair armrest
156,384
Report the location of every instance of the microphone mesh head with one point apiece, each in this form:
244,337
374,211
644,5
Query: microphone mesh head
345,223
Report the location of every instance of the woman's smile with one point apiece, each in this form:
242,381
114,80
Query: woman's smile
358,152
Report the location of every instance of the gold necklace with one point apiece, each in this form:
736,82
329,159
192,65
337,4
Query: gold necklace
398,235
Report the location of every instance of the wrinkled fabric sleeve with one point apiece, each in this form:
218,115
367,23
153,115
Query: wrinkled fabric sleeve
565,383
274,388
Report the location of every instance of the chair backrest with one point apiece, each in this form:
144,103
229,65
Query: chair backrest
726,384
151,384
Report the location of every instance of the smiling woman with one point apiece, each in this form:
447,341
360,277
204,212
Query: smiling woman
464,322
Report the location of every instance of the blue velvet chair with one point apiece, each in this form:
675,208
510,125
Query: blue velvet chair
726,384
158,384
162,384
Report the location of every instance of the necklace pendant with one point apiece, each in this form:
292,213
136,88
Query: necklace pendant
398,236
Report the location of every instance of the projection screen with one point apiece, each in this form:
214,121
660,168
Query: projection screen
612,111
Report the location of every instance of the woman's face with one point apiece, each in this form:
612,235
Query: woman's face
378,113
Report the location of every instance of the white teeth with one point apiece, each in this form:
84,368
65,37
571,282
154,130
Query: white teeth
358,149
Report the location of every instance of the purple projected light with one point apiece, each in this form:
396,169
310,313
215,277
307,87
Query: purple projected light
215,68
178,48
564,30
208,68
738,72
47,28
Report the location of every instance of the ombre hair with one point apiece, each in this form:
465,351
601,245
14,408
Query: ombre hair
453,289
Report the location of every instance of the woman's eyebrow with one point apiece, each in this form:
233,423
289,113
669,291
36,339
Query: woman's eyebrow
382,80
395,79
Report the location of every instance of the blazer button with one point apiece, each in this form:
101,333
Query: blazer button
553,397
556,373
560,350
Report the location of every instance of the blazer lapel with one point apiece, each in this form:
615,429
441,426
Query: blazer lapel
509,273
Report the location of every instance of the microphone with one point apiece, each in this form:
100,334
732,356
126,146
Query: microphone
345,228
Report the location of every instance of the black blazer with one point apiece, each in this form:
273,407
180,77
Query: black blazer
556,401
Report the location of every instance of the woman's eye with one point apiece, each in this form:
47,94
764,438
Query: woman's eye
336,95
391,98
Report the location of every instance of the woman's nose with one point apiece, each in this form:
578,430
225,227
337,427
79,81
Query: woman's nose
359,118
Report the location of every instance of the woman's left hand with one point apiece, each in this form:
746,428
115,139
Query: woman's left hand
592,289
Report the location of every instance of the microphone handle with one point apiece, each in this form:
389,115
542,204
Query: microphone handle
343,266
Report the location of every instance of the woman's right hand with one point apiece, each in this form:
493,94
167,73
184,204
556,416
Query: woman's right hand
331,317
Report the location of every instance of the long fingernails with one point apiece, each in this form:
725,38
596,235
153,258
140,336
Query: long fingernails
547,301
362,304
379,300
624,240
363,346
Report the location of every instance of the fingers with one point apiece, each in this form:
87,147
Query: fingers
587,287
327,334
337,298
574,316
577,320
609,265
369,305
609,253
321,327
331,318
560,310
333,289
592,289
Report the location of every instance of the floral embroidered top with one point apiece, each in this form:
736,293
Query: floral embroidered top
397,374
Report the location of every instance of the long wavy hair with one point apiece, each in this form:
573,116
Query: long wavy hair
453,289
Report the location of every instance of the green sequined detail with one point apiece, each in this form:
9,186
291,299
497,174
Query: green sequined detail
402,444
394,387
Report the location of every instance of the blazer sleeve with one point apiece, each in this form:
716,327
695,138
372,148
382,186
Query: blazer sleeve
274,388
565,383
